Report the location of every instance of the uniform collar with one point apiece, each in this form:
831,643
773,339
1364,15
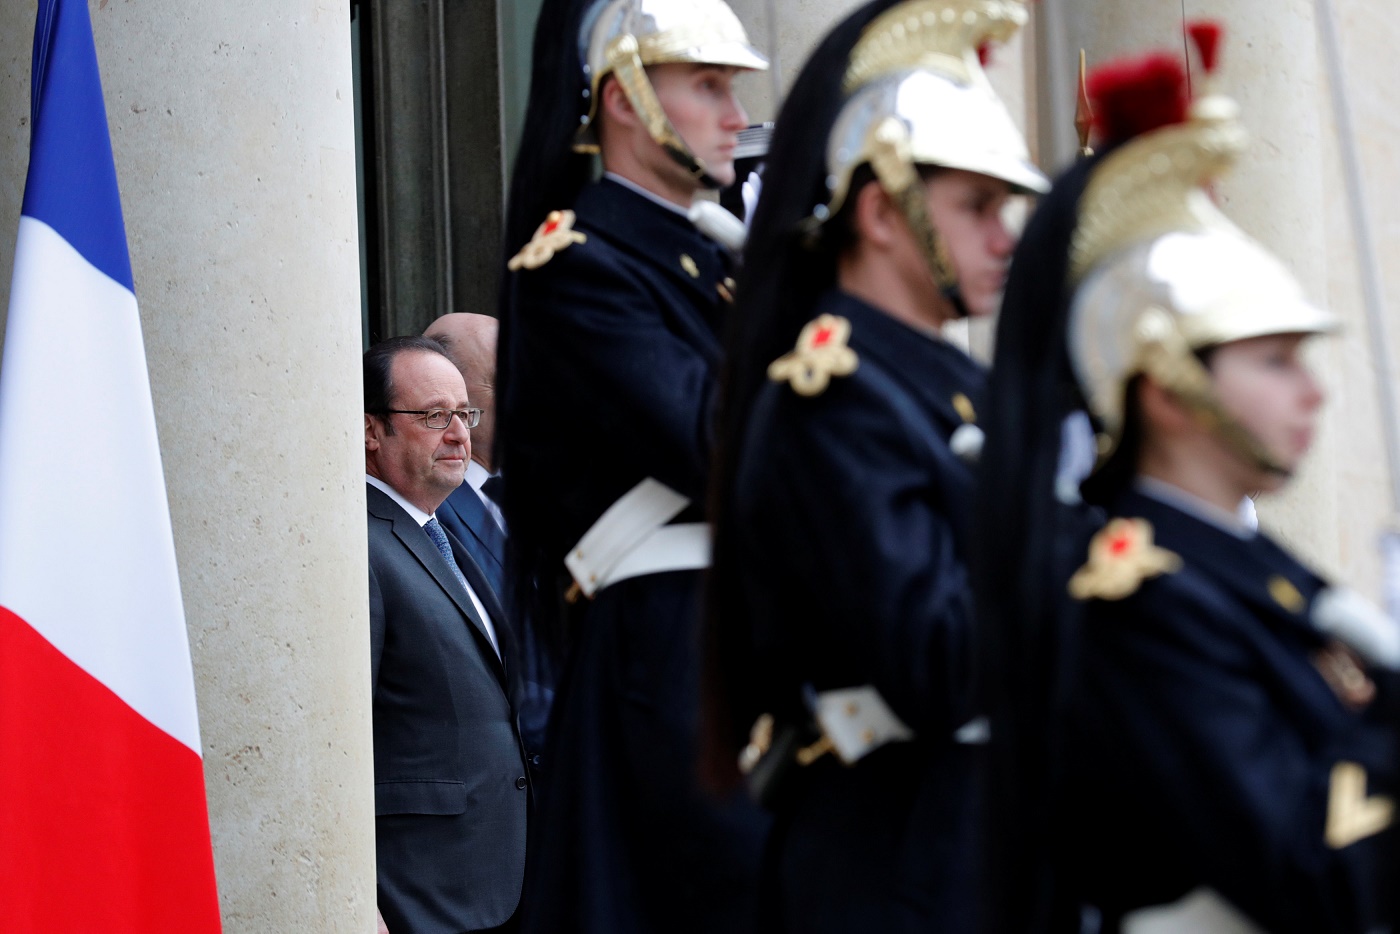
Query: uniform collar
649,195
1230,522
1255,568
658,233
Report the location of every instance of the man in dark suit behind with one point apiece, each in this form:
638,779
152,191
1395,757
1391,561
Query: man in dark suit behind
471,512
451,792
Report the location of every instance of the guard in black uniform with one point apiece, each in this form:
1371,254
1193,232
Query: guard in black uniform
1187,722
840,609
610,348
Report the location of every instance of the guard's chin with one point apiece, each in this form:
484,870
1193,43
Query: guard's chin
982,306
1271,481
721,172
993,305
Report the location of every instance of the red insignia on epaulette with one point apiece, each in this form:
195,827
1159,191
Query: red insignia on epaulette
1121,557
820,354
555,234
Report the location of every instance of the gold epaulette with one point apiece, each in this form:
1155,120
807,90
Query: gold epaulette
820,354
1121,557
555,234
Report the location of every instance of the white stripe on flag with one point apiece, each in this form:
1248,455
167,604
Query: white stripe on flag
86,553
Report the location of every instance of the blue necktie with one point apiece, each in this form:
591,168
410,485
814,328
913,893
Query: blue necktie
439,538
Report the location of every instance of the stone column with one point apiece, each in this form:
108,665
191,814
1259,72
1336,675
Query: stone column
1269,63
232,127
1368,31
1279,194
787,38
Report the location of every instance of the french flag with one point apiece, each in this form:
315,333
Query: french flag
103,821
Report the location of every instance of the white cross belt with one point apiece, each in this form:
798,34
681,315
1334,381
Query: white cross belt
632,539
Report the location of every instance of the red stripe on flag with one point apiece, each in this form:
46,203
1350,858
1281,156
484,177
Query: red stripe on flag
103,823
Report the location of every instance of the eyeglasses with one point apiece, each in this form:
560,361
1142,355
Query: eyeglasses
438,418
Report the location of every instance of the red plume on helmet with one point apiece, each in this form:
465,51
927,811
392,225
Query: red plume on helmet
1132,96
1136,96
1206,35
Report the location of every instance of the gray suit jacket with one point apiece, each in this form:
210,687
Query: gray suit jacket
450,788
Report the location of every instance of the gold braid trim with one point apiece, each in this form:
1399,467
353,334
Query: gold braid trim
937,35
1157,184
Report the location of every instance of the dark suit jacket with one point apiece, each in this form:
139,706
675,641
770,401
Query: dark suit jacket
450,788
464,515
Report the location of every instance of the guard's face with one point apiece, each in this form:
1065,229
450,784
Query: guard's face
423,464
971,213
702,106
1264,383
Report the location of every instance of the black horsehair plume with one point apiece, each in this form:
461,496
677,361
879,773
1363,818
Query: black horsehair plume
783,274
548,175
1027,542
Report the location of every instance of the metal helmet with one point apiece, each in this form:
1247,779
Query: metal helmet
622,37
918,96
1161,273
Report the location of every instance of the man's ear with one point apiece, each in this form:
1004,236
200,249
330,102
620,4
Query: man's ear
371,433
877,218
615,103
1161,410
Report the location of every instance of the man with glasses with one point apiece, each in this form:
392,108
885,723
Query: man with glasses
451,787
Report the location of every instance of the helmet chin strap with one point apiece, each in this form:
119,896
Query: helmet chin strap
1211,416
625,59
893,166
953,294
1166,357
687,160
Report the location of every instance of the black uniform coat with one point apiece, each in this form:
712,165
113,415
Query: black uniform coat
1203,741
450,792
853,568
614,355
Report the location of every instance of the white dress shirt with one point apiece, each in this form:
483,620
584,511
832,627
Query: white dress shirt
422,518
476,476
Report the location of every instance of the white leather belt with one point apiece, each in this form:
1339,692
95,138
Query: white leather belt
854,723
1344,614
632,539
857,721
1202,911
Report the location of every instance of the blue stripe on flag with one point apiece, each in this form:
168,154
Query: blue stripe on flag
72,183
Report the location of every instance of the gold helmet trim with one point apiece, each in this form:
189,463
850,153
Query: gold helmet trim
1157,184
933,35
1162,273
918,97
